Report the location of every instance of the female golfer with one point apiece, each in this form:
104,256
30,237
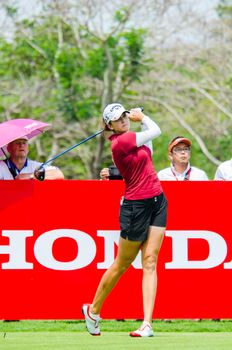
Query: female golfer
142,214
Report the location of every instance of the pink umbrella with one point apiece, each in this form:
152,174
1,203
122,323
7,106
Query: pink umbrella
14,129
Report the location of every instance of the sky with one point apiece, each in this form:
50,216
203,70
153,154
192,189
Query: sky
204,6
205,9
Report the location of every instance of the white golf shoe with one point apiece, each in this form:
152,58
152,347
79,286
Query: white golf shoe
91,320
144,331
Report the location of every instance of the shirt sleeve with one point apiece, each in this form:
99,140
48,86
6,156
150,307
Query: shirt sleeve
126,143
150,130
5,174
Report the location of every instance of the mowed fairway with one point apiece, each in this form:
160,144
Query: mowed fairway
114,341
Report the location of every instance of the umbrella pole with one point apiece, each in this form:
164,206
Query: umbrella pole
4,153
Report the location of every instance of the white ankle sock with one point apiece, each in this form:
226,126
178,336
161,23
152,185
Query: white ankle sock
93,315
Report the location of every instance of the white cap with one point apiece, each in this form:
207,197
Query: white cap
113,112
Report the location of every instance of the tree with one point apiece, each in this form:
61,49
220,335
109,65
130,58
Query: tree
65,63
77,71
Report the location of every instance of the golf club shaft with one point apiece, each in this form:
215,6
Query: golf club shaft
69,149
74,146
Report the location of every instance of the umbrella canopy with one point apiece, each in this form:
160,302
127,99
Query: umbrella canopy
14,129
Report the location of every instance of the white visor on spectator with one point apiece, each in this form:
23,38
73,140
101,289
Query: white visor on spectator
113,112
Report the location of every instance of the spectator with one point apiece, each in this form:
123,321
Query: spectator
105,173
19,167
180,169
224,171
111,173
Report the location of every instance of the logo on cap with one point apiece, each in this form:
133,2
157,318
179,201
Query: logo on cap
113,112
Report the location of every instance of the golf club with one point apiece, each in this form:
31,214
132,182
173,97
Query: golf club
39,173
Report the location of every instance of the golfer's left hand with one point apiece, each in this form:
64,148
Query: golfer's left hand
136,115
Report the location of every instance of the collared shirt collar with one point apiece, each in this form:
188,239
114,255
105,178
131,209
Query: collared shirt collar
14,167
180,174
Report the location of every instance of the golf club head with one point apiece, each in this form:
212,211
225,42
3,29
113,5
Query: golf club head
39,174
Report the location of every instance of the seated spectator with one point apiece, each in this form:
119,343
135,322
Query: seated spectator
179,150
111,173
224,171
19,167
104,174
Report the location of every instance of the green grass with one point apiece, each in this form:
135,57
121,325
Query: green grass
117,326
71,335
114,341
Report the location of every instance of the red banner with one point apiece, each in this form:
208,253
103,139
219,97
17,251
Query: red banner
57,238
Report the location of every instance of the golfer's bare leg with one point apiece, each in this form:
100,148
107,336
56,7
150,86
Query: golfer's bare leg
150,251
127,251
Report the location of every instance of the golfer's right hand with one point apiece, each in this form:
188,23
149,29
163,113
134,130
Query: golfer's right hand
136,115
104,174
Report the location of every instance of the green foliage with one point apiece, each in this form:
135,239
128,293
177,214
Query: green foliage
228,81
134,41
187,72
224,9
46,73
75,79
11,11
224,144
121,14
95,63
